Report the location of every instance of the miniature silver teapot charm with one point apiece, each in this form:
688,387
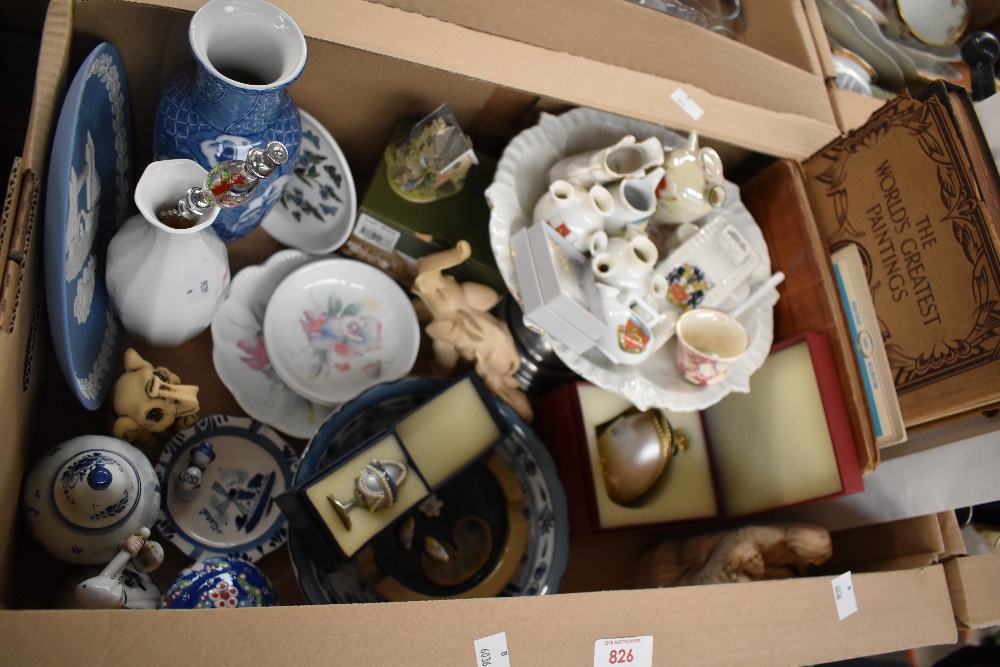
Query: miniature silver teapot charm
89,494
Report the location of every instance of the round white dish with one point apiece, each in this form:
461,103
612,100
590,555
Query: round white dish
233,512
521,179
317,210
241,359
336,327
935,22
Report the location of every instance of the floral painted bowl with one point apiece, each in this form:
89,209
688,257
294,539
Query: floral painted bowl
336,327
220,583
241,359
545,555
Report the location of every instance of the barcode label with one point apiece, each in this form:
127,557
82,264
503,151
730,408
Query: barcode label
492,651
377,233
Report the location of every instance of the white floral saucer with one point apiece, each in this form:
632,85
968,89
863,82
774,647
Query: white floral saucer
233,512
317,211
336,327
241,360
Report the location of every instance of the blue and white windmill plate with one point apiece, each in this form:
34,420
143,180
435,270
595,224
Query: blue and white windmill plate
233,512
89,197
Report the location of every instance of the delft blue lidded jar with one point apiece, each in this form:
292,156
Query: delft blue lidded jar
235,98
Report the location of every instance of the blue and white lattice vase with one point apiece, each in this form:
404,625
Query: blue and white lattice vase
220,583
235,98
87,494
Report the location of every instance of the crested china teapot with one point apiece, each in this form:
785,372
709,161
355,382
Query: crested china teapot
692,184
88,496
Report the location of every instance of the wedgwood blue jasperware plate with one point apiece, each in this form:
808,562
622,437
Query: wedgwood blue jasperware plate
233,512
89,197
546,551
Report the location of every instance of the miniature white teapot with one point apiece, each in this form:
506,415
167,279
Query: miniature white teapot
87,495
692,185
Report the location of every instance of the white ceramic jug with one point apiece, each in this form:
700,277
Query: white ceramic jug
635,201
575,212
167,283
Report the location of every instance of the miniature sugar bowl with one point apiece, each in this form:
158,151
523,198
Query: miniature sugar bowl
221,582
87,495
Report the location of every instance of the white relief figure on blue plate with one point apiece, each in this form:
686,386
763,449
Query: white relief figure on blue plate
81,230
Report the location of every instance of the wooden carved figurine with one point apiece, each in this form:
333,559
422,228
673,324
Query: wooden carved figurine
745,554
150,400
462,327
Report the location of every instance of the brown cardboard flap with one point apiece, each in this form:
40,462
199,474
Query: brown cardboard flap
788,622
772,50
809,299
576,79
974,585
916,542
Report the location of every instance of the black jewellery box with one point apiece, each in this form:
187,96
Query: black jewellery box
342,506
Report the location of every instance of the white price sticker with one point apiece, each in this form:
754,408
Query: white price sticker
687,105
492,651
377,233
843,595
627,651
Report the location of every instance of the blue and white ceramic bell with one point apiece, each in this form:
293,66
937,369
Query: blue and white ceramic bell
87,495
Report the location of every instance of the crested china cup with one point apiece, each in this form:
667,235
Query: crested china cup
692,185
623,159
635,200
573,211
89,494
709,343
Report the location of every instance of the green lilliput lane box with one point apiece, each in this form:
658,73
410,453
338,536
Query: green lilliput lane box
392,233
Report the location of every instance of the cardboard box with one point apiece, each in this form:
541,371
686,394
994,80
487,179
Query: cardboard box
365,60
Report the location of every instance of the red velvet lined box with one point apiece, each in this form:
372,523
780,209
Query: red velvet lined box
786,442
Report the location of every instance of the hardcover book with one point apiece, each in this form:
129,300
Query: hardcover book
916,190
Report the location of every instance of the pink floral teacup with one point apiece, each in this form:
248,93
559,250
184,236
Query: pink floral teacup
709,343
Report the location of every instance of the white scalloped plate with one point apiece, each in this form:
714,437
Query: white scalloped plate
521,179
241,359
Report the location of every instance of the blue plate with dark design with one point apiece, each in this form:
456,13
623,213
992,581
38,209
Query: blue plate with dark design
89,197
232,513
547,549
